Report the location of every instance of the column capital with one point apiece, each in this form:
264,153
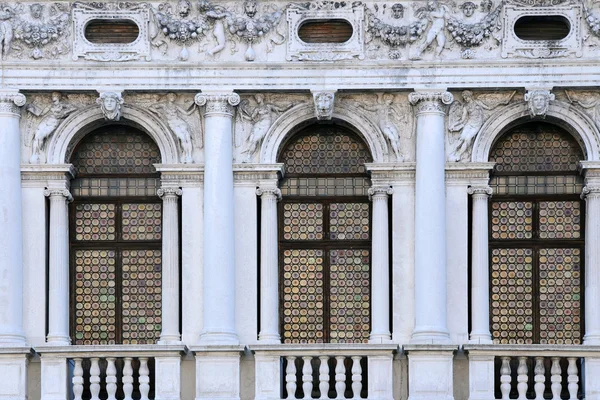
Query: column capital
480,191
169,192
380,191
269,191
218,102
430,102
11,101
59,192
590,192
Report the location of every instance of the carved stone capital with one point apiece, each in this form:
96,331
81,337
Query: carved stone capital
59,193
218,103
269,191
110,104
538,102
11,101
426,102
480,190
589,192
324,103
169,192
380,191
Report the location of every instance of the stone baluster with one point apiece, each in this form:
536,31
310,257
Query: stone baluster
144,378
540,378
127,378
480,285
269,271
430,218
591,194
505,378
573,378
556,378
77,379
219,254
307,383
522,371
111,378
340,377
170,265
95,379
11,234
380,275
356,377
290,377
324,377
58,287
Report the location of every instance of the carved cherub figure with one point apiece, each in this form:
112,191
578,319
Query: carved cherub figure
262,116
538,102
36,10
397,11
218,15
6,28
436,13
468,8
468,118
52,116
173,115
486,6
110,105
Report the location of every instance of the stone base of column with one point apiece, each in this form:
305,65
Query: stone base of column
592,339
212,338
430,372
430,335
480,338
13,373
382,338
12,339
269,338
217,372
58,340
170,340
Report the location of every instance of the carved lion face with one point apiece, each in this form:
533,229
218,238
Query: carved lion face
324,103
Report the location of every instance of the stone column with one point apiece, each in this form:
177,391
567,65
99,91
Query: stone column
219,255
380,287
58,286
11,233
430,218
480,282
170,265
591,194
269,273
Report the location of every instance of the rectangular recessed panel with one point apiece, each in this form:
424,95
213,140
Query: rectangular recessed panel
302,221
95,300
512,296
512,220
303,296
349,221
95,222
560,219
350,296
141,221
142,296
560,296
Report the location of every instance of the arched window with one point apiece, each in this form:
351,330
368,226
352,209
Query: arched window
325,238
115,239
536,237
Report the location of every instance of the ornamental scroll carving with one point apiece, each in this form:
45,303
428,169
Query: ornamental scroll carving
430,101
218,103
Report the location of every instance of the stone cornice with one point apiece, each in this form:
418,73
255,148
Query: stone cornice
254,174
185,175
46,172
468,173
385,174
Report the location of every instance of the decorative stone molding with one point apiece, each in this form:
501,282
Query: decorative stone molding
299,13
428,102
169,192
516,47
59,192
378,191
324,103
218,103
538,101
269,191
84,13
110,104
480,191
590,191
11,101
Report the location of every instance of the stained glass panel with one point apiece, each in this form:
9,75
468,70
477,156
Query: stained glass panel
349,296
95,222
95,300
303,308
560,219
141,221
142,296
109,187
116,150
560,296
512,220
512,296
302,221
325,186
349,221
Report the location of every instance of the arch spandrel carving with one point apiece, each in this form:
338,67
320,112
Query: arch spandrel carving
583,129
304,114
76,126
